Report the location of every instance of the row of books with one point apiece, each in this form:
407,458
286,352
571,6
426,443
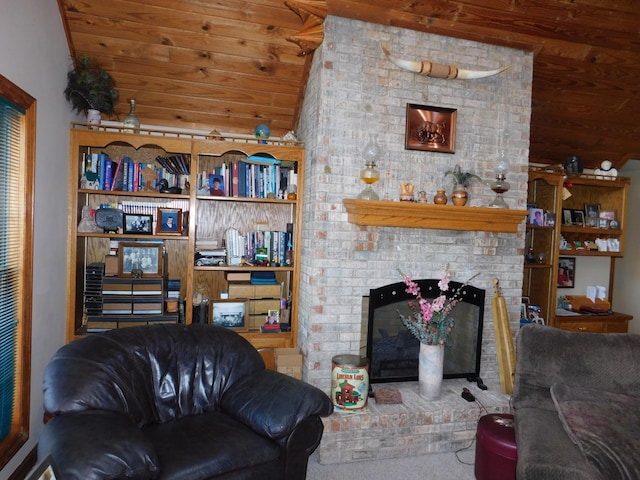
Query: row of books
265,248
127,175
176,164
248,180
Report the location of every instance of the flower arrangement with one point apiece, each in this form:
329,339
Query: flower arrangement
430,320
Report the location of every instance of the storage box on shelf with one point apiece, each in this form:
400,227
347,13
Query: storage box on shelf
210,215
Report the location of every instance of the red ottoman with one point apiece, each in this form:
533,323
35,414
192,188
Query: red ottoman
496,453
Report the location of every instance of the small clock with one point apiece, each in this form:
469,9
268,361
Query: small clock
614,225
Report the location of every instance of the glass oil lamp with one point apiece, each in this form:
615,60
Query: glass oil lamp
370,173
500,185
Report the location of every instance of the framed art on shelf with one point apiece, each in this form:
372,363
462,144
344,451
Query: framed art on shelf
139,259
169,221
567,272
138,224
430,128
578,218
231,313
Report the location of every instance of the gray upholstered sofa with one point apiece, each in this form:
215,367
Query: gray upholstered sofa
577,405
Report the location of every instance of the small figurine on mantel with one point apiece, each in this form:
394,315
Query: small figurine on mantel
406,192
606,170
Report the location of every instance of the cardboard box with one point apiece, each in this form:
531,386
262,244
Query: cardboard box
247,290
289,362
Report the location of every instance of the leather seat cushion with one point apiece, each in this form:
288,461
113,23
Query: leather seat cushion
208,445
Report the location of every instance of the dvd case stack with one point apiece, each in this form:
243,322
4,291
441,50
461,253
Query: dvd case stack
93,289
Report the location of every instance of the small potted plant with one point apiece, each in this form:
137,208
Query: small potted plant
90,89
463,180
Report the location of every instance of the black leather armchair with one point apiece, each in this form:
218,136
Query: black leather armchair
176,402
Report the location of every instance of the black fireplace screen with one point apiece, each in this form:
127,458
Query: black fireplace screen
393,351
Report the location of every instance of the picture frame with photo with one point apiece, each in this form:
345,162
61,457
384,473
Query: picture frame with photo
536,217
578,218
232,313
169,221
566,272
591,214
549,219
135,224
140,259
567,216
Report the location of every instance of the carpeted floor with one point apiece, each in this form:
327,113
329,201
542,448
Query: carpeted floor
434,466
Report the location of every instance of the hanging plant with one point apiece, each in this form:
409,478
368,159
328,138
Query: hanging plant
89,87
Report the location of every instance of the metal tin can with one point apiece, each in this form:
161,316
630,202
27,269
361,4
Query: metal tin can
349,381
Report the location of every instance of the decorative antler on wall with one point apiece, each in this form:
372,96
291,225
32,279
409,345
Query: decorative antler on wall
436,70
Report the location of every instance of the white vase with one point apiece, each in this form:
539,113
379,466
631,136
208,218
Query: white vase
430,367
94,117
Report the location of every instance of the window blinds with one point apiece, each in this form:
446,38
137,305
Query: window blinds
11,228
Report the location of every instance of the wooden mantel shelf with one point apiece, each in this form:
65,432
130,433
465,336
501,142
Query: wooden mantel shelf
443,217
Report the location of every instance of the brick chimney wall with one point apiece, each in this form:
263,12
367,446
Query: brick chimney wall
353,92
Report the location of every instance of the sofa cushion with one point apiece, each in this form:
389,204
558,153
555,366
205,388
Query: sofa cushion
154,373
605,425
113,448
209,445
545,452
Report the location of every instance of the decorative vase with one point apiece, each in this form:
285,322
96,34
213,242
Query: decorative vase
459,195
440,198
131,122
94,117
430,368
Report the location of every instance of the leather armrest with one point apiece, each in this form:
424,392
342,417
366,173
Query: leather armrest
273,404
97,444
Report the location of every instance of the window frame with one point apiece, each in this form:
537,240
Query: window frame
19,433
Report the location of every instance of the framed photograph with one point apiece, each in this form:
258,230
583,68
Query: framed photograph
138,259
231,313
591,209
567,272
607,214
550,219
273,317
430,128
567,217
603,223
169,221
534,314
578,218
46,470
216,185
536,216
138,224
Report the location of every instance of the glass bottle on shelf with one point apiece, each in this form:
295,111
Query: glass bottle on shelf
131,122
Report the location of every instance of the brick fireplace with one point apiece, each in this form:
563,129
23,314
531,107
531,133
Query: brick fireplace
354,92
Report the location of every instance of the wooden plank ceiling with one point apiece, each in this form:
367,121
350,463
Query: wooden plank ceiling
227,65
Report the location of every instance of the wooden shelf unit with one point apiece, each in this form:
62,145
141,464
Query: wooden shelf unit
546,188
209,216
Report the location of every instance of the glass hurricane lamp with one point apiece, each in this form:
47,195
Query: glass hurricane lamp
370,173
500,184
